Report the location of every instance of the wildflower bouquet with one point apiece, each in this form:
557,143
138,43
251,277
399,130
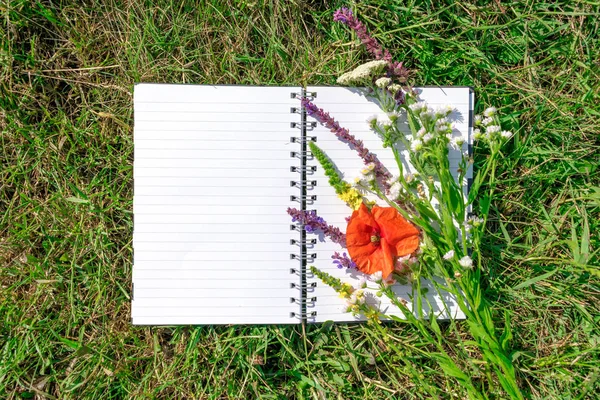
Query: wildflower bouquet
413,227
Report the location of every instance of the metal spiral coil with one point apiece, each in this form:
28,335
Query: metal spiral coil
303,185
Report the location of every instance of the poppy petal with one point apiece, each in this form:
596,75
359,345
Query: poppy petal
369,264
388,259
399,233
397,237
359,231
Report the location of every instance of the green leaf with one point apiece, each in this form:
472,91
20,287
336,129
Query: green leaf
77,200
531,281
507,334
70,343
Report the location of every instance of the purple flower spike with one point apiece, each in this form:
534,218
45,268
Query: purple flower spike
343,261
395,69
312,222
345,16
398,70
381,173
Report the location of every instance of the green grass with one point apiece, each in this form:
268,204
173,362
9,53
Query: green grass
66,78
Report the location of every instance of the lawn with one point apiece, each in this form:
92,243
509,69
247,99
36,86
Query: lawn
66,191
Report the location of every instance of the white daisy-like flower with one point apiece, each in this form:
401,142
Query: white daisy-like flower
387,124
443,111
428,137
418,107
368,169
383,83
393,116
357,297
416,145
506,134
428,115
490,111
362,282
475,221
467,226
421,132
443,126
377,277
477,134
490,130
487,121
372,120
362,182
456,142
449,255
409,178
395,190
466,262
478,120
447,109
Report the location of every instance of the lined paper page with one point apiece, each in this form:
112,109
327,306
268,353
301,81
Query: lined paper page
211,186
351,109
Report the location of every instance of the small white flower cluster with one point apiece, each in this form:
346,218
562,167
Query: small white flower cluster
466,262
449,255
395,188
372,121
490,112
404,263
474,221
393,116
443,126
456,142
443,111
416,145
357,297
362,73
487,128
394,88
434,123
410,178
378,124
418,107
383,83
362,282
367,174
377,277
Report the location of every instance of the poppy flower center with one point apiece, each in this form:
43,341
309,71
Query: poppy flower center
375,238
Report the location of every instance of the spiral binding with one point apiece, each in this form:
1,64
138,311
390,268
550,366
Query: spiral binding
304,185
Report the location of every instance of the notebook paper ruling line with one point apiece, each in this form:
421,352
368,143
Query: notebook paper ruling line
212,244
215,168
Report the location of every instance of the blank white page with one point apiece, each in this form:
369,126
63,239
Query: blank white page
211,187
351,109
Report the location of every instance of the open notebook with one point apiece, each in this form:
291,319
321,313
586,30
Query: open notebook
215,168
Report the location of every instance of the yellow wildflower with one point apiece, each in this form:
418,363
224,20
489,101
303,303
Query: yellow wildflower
346,291
352,197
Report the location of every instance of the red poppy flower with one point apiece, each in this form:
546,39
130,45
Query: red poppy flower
375,238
